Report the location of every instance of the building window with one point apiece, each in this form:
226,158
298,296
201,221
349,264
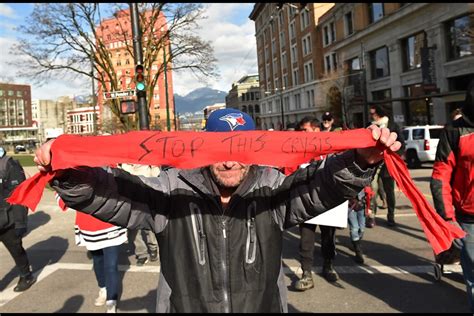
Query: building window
282,39
294,56
285,80
327,63
412,51
295,77
353,67
275,67
375,12
306,41
304,19
460,37
334,61
292,30
326,35
416,111
297,101
379,64
349,26
284,60
333,31
308,72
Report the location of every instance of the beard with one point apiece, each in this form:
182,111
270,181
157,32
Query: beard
229,182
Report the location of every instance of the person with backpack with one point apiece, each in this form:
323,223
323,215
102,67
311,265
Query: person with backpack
13,219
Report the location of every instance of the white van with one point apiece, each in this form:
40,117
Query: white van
421,143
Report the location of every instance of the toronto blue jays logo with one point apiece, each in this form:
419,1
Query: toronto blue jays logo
234,120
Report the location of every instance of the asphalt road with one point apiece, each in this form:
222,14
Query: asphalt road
397,276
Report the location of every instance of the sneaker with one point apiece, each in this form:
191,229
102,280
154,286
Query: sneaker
142,261
328,271
111,306
306,282
100,300
154,255
25,283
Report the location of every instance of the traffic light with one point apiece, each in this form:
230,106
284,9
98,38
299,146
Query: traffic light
140,81
128,106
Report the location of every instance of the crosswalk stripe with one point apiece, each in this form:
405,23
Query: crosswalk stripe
8,294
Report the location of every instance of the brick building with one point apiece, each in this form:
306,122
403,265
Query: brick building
116,34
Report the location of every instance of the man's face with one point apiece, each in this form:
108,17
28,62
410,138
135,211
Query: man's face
307,127
229,174
328,123
373,115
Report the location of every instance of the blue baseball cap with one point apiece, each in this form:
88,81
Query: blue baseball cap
228,120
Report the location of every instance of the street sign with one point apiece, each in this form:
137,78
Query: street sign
118,94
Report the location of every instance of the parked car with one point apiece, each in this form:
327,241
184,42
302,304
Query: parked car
420,144
19,149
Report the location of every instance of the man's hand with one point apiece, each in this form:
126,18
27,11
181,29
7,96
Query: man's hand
43,156
386,140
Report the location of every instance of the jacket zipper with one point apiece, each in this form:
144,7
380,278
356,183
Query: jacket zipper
225,278
198,232
250,246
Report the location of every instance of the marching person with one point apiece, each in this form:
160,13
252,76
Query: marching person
308,231
381,119
219,227
452,184
13,219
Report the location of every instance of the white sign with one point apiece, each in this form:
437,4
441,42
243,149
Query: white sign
335,217
118,94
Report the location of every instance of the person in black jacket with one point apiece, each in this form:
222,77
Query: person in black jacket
380,118
13,219
219,227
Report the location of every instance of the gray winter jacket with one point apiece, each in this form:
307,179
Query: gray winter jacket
215,259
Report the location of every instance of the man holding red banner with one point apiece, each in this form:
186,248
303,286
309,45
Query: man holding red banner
220,227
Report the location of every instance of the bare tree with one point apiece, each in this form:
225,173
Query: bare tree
63,38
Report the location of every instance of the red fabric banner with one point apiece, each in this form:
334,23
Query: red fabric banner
196,149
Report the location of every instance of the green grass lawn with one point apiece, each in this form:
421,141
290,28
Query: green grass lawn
25,160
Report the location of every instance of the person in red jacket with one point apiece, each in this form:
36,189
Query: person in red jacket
103,241
452,183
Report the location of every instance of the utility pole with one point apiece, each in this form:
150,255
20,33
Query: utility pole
168,123
137,52
94,115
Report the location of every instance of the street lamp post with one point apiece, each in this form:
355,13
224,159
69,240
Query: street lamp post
282,107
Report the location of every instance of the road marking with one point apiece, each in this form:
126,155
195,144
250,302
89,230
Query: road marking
8,294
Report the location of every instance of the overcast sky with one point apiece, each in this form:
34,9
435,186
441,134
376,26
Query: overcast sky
227,27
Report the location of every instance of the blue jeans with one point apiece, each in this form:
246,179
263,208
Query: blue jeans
467,262
106,269
356,224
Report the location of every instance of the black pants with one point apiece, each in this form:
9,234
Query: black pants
13,243
328,244
389,188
